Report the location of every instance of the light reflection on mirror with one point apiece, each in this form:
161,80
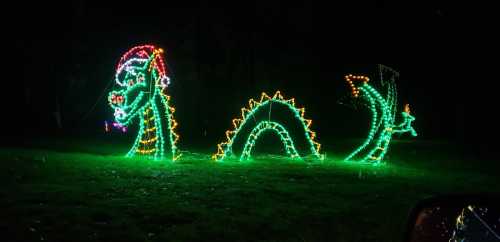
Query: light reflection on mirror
457,224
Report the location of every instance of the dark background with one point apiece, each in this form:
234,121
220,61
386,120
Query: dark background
221,55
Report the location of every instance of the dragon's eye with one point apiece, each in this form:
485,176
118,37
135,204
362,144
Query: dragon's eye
140,79
131,82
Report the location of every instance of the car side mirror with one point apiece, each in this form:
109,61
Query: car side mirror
462,218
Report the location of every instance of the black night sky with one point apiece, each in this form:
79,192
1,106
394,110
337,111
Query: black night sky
219,56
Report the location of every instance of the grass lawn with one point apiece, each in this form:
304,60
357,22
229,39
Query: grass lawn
86,191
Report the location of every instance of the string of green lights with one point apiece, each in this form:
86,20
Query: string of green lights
269,126
386,128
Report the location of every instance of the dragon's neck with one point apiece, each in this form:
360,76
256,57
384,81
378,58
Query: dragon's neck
150,132
156,136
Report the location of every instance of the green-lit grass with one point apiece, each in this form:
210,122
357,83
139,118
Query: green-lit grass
89,192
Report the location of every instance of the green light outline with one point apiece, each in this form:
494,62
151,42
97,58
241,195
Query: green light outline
387,119
156,102
262,127
227,150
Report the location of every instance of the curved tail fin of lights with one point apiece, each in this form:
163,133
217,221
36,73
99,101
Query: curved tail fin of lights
382,125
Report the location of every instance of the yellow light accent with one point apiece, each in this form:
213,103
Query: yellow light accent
278,95
176,157
407,108
149,140
318,145
229,133
302,112
264,97
152,64
150,129
252,103
220,152
308,122
149,119
312,134
174,123
176,138
146,151
244,111
236,123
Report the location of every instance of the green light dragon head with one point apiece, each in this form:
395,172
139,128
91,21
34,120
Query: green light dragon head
140,75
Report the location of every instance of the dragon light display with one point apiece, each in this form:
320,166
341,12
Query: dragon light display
139,95
141,81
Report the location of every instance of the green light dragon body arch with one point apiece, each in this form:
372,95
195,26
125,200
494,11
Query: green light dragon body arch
269,126
142,80
382,125
225,149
